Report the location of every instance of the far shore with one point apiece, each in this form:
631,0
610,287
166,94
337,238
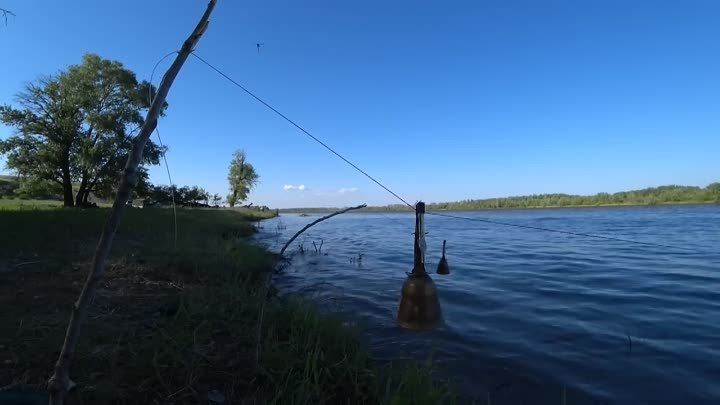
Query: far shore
402,209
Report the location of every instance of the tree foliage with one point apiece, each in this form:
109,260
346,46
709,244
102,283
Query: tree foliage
184,196
76,127
242,178
8,186
647,196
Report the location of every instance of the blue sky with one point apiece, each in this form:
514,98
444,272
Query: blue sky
440,100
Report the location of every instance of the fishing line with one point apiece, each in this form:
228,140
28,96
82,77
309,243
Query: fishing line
536,228
296,125
157,132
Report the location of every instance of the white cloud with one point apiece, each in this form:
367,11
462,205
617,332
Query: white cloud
347,190
289,187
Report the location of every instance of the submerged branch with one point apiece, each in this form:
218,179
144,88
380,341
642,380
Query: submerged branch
306,227
268,279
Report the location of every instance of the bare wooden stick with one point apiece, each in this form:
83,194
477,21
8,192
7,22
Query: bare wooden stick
305,228
59,384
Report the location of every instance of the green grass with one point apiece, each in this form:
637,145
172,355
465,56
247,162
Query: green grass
170,325
16,204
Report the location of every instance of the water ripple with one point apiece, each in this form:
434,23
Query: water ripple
528,313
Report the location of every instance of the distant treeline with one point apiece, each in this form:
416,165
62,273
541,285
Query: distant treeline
646,196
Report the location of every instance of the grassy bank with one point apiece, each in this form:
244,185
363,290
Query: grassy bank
16,204
176,325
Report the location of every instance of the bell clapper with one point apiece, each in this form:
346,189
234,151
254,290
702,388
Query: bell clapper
443,267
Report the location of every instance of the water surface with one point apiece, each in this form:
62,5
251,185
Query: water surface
529,314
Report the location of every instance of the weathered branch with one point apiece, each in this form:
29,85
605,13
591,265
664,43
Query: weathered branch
305,228
59,384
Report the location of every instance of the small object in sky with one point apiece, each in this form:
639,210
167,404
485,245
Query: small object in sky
259,44
5,13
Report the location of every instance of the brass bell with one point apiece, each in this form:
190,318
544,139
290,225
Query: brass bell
419,305
443,267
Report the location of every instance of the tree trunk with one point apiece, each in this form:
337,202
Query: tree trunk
60,383
68,200
81,192
89,188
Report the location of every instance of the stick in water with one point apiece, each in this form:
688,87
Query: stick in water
318,221
268,279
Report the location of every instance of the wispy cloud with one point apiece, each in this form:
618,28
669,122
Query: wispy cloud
300,187
347,190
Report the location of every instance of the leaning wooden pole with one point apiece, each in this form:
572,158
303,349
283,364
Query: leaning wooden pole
59,384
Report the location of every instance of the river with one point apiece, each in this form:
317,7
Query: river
531,316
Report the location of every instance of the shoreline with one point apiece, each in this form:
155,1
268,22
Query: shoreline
370,210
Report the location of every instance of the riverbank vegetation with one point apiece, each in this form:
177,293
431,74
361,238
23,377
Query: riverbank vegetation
647,196
13,194
177,325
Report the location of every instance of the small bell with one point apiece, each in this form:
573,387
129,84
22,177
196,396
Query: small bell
443,267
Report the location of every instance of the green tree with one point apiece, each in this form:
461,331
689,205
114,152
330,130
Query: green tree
185,196
76,127
713,192
231,200
242,178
